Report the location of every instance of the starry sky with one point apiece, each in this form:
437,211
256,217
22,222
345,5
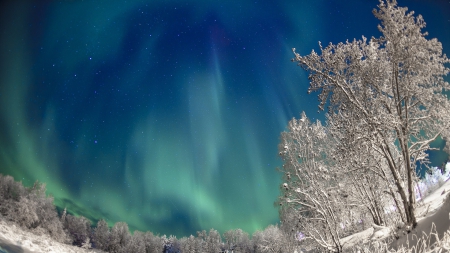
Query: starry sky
166,114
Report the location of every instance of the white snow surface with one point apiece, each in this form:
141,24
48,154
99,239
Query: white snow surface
16,239
428,211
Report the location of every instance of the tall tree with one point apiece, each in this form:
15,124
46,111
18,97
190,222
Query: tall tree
395,85
366,173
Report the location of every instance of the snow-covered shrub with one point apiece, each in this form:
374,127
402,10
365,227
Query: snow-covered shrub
55,229
87,244
10,195
10,189
433,179
25,213
30,207
45,210
78,228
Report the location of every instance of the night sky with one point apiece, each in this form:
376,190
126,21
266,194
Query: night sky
166,114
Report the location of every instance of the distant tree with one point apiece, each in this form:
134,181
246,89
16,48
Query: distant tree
10,189
394,84
202,239
192,244
171,245
136,244
48,218
30,207
270,239
119,238
210,242
10,195
64,215
153,243
24,213
237,240
101,235
78,228
256,240
55,229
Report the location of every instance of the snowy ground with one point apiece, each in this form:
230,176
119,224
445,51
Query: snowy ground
436,210
14,239
433,209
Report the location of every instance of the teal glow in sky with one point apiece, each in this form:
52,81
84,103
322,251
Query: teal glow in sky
165,114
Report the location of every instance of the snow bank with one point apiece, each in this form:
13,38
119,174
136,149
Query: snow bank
16,239
432,209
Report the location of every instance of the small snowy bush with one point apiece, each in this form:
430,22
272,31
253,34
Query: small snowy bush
433,179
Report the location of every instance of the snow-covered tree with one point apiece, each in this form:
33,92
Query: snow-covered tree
153,243
101,235
237,240
10,189
10,194
272,239
25,213
310,188
369,184
78,228
119,238
47,216
171,244
211,241
395,85
30,207
136,243
191,244
432,180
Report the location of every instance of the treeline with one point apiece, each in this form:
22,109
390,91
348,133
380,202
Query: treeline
32,209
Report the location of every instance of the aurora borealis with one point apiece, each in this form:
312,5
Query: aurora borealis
166,114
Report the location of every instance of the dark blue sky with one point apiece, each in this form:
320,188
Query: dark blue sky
166,114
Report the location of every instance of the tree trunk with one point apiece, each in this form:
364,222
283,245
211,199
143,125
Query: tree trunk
397,205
